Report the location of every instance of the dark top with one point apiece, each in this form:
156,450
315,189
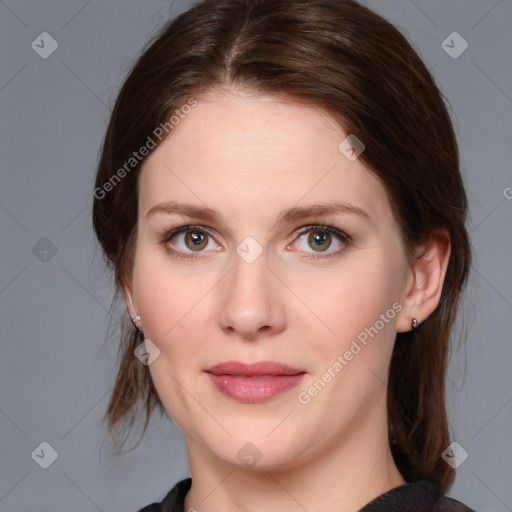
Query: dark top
421,496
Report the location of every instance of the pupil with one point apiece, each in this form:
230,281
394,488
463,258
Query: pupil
320,239
197,238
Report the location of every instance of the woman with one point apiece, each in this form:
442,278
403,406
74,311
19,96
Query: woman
279,195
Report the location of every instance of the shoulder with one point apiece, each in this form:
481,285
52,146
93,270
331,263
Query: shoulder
173,501
419,496
451,505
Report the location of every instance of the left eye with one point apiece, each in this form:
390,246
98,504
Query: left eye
194,240
320,239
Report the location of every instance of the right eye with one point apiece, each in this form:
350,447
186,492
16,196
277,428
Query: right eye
186,240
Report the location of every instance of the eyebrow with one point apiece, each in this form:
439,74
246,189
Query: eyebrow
286,216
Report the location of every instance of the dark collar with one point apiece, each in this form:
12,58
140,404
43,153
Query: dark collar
420,496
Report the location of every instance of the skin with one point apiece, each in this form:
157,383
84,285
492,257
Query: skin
249,157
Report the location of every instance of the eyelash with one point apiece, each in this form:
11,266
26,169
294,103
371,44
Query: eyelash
342,237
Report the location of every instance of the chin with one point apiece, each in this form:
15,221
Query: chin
260,452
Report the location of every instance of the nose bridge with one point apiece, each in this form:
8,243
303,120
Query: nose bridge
250,301
249,275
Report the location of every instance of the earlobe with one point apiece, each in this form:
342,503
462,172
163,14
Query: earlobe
132,310
428,274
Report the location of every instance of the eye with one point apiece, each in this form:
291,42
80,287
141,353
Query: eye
188,239
184,241
320,239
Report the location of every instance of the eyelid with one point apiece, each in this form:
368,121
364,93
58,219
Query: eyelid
328,228
188,227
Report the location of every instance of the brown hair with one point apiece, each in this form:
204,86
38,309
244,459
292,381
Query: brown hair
344,58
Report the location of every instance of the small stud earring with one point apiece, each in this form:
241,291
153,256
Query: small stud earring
415,325
136,322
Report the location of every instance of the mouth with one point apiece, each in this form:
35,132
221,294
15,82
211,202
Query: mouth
256,382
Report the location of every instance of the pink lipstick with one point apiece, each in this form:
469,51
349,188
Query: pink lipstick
256,382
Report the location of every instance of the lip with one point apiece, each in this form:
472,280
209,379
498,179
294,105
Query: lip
254,382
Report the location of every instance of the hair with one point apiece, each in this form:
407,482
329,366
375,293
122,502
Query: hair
344,58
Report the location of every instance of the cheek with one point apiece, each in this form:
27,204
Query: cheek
162,294
176,312
172,311
360,310
356,297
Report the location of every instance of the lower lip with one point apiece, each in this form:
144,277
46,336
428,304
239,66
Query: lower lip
254,389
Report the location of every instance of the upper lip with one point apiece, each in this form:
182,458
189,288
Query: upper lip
253,369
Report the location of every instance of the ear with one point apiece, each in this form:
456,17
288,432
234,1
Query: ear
130,306
425,282
128,298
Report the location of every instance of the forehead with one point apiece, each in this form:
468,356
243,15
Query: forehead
233,150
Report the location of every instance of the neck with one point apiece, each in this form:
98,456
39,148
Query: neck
343,476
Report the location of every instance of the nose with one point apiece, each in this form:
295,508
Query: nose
252,302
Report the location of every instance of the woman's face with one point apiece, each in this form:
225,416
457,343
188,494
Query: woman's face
254,275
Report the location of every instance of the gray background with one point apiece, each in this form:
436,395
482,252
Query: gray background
57,362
